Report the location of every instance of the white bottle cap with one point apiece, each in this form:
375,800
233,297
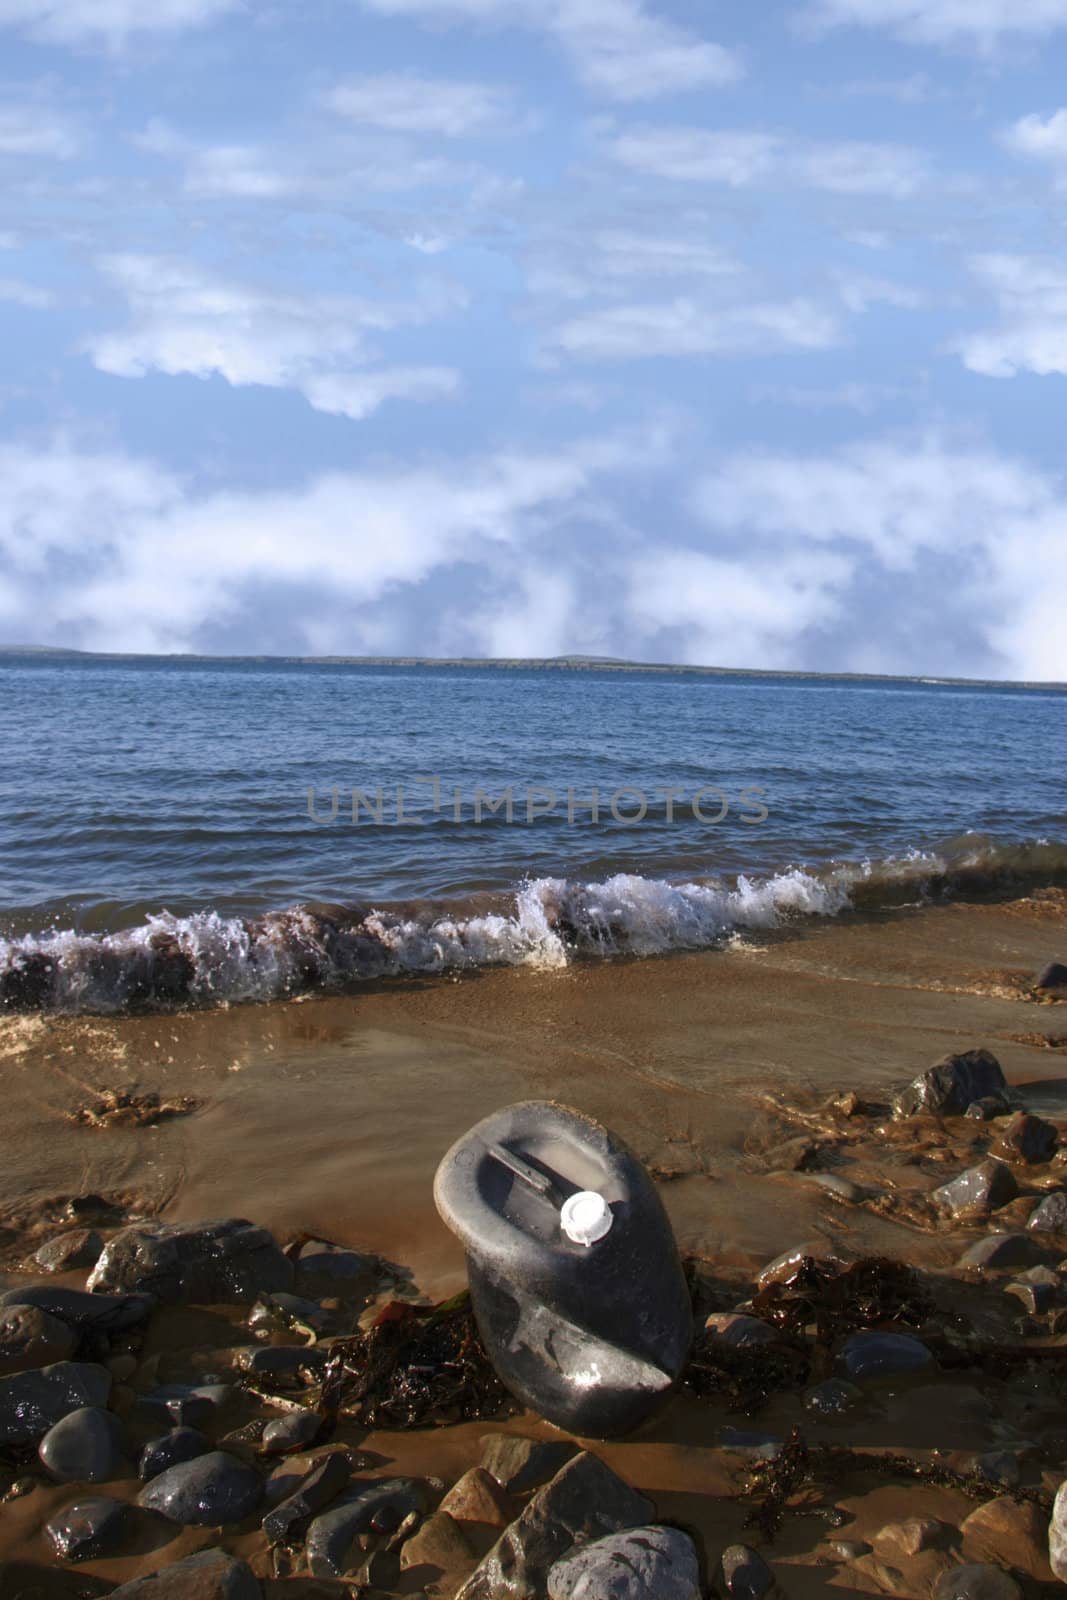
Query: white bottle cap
585,1217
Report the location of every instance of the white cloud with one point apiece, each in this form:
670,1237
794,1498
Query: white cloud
357,394
409,103
859,291
17,292
742,157
945,22
74,22
1042,138
37,130
1032,336
685,327
618,48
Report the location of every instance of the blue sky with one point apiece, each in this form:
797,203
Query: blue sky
715,333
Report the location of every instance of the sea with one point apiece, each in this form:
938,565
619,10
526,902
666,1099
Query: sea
182,833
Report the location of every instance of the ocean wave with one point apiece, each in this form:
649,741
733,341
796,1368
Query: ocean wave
207,959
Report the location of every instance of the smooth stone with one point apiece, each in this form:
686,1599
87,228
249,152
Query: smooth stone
88,1530
884,1355
977,1581
519,1464
170,1449
744,1575
1057,1534
331,1542
323,1482
295,1431
439,1542
998,1250
33,1402
331,1269
989,1107
1035,1296
841,1188
68,1252
584,1501
834,1397
185,1405
784,1266
478,1497
1050,1216
634,1565
1054,976
31,1338
848,1549
739,1331
981,1189
211,1489
208,1263
85,1447
280,1360
208,1575
1027,1138
948,1087
106,1313
1007,1530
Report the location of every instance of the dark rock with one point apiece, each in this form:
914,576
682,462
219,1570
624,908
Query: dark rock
281,1360
1051,1215
180,1444
977,1191
743,1574
739,1331
519,1464
990,1106
1054,976
70,1251
884,1355
27,983
629,1566
381,1570
323,1483
211,1489
85,1447
477,1497
584,1501
33,1402
834,1397
977,1581
331,1541
103,1313
89,1530
184,1405
30,1338
1027,1138
999,1250
329,1269
1037,1290
439,1542
295,1431
948,1087
209,1263
25,1580
209,1575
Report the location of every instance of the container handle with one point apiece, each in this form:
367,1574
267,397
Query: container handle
538,1181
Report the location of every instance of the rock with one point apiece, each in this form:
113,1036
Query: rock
67,1252
785,1265
832,1398
948,1087
85,1447
519,1464
1037,1289
977,1581
331,1541
1054,976
832,1182
634,1565
209,1575
990,1106
170,1449
1057,1534
1005,1530
208,1490
1051,1215
281,1360
1028,1139
999,1466
477,1497
104,1313
88,1530
25,1580
325,1268
584,1501
30,1338
977,1191
295,1431
185,1405
904,1540
323,1482
209,1263
848,1549
738,1331
744,1575
381,1570
33,1402
795,1155
439,1542
998,1250
884,1355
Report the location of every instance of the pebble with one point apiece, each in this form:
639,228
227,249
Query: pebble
633,1565
208,1263
1036,1295
211,1489
33,1402
884,1355
439,1542
978,1191
1051,1215
106,1313
841,1188
977,1581
1000,1250
208,1575
331,1269
68,1252
323,1482
990,1106
31,1338
1028,1139
186,1405
1057,1534
832,1398
89,1529
739,1331
848,1549
85,1447
948,1087
280,1360
180,1444
1009,1531
295,1431
381,1570
519,1464
1054,976
785,1265
744,1575
331,1542
478,1497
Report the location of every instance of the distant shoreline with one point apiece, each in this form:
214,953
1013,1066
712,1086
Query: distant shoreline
534,664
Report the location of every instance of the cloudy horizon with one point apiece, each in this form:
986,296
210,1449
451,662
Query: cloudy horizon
482,328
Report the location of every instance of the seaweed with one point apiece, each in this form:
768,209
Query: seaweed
132,1109
745,1376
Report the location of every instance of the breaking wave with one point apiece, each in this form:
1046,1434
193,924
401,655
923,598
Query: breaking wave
206,959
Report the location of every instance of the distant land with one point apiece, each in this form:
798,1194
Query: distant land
573,663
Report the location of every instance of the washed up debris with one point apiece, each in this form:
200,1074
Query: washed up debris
131,1108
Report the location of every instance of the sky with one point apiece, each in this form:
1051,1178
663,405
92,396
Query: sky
697,332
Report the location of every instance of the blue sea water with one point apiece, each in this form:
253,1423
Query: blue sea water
169,832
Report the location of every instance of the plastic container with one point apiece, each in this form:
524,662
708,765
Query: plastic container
574,1273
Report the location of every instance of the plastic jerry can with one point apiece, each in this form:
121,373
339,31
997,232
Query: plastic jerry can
575,1279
